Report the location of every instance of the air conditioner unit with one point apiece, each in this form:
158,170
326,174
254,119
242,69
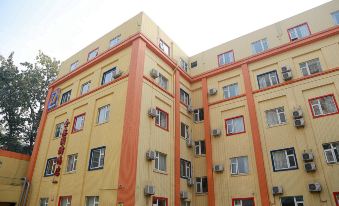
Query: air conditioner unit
190,109
307,156
310,167
285,69
287,75
297,113
150,155
183,194
218,168
216,132
190,182
314,187
276,190
117,73
152,112
154,73
299,122
212,91
149,190
189,142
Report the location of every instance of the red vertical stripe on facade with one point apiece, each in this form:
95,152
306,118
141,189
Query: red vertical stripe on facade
130,135
177,140
207,128
256,137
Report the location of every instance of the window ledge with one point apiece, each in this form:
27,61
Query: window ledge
239,175
201,193
199,156
160,172
197,122
99,124
71,172
276,125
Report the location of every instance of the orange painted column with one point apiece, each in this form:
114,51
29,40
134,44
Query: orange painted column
256,137
130,135
38,137
207,128
177,140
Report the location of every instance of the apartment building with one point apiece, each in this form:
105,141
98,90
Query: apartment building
133,120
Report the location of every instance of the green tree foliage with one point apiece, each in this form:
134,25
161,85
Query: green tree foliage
22,99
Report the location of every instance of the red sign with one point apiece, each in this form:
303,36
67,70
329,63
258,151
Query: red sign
61,149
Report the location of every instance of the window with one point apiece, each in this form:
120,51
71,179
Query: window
44,201
226,58
97,158
78,123
243,201
184,97
299,32
74,65
161,120
268,79
259,46
194,64
185,169
59,128
230,90
65,97
199,115
85,87
336,198
163,81
108,76
292,201
164,47
284,159
65,201
235,125
159,201
160,161
201,184
335,16
331,152
92,201
239,165
275,116
184,65
50,166
185,203
184,130
103,114
322,106
72,162
200,147
310,67
115,41
93,54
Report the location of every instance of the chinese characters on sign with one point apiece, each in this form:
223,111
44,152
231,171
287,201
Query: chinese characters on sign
61,149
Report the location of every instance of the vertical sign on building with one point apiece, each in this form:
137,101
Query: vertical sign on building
61,149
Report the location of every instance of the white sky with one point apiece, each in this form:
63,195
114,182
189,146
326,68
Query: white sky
60,28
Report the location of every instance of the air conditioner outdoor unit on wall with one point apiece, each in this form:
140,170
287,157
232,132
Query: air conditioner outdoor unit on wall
150,155
218,168
307,156
152,112
297,113
212,91
190,182
276,190
189,142
149,190
216,132
310,167
286,72
183,194
314,187
154,73
117,73
189,109
299,122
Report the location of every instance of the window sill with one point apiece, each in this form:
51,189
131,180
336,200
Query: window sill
201,193
68,173
276,125
197,122
239,175
199,156
93,169
99,124
288,169
76,131
160,172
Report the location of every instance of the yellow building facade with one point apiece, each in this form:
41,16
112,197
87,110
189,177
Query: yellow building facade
250,122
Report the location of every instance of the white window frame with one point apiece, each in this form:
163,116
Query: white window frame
289,167
235,163
160,115
240,201
110,74
198,147
296,33
184,97
187,132
227,90
184,202
230,125
158,200
65,97
184,65
72,162
334,147
115,41
278,112
296,202
53,162
59,128
95,200
187,166
74,65
316,103
91,56
103,111
79,122
199,185
197,115
272,77
68,201
101,159
85,87
164,47
162,81
159,156
305,66
44,201
262,43
226,58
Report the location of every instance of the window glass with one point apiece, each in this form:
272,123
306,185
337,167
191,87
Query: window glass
184,130
310,67
163,81
65,97
161,119
50,166
239,165
259,46
200,147
284,159
275,116
292,201
103,114
235,125
97,158
331,152
323,105
160,161
184,65
108,76
226,58
72,162
184,97
299,32
92,201
92,54
65,201
43,201
85,88
194,64
267,79
164,47
243,202
335,16
185,169
198,115
78,123
201,185
59,128
159,201
74,65
115,41
230,90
